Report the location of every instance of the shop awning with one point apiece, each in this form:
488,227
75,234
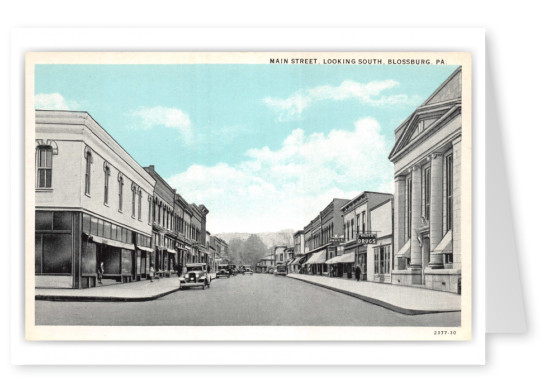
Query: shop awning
318,257
445,246
113,243
344,258
405,251
149,250
171,251
297,261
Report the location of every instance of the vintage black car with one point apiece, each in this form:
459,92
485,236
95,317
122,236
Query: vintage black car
195,275
223,271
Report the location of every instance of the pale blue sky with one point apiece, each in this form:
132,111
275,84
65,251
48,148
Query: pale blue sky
264,147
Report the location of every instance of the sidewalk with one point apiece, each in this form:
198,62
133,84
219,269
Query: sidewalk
132,291
403,299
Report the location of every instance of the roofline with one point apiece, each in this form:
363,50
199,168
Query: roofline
457,70
361,194
102,128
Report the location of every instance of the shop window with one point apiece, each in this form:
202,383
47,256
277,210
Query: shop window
89,261
38,254
94,226
86,223
106,230
44,166
43,221
56,254
63,221
113,232
119,234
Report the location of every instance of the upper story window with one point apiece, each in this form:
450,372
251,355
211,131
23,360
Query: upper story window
139,204
426,193
363,222
107,172
449,191
88,173
44,166
134,191
121,188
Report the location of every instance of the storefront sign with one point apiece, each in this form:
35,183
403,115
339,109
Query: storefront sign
336,240
367,238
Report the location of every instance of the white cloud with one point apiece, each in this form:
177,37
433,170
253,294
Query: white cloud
168,117
367,93
54,101
288,186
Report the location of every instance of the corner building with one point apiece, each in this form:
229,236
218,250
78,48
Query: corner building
427,198
91,204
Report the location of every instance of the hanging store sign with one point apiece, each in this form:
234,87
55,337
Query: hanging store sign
367,238
336,240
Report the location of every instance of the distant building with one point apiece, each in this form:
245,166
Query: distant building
93,203
164,235
322,236
427,199
380,251
357,232
265,264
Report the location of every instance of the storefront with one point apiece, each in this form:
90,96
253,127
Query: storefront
342,265
316,263
70,247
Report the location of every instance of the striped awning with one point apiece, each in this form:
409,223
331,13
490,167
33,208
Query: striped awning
318,257
405,251
446,244
345,258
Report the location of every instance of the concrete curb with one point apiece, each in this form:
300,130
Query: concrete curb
380,303
103,298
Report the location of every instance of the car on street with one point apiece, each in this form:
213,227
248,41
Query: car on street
281,270
195,276
247,269
223,271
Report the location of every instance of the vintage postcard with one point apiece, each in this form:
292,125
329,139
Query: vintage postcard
268,196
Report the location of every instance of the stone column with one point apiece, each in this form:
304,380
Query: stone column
399,215
416,206
436,176
456,203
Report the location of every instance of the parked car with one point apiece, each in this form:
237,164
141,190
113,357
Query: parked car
281,270
196,275
223,271
247,269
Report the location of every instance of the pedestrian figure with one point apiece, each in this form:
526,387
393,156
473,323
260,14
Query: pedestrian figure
358,273
100,273
151,273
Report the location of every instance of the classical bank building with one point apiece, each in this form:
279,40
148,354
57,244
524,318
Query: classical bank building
427,202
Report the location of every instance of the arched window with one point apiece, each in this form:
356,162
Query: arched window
88,173
121,186
107,172
44,166
134,191
139,204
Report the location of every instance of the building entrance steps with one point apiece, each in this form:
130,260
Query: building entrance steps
132,291
403,299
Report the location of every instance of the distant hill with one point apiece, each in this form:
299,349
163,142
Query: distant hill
270,239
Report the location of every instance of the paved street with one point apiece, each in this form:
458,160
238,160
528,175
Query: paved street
257,300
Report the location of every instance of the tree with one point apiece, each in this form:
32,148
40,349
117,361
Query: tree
253,250
235,250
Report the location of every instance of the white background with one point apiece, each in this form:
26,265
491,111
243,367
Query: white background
517,48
